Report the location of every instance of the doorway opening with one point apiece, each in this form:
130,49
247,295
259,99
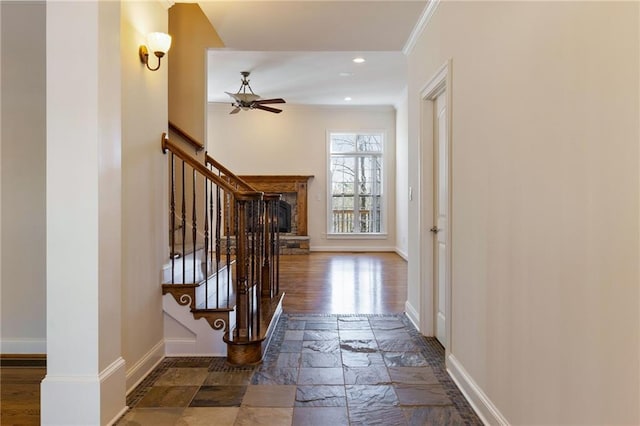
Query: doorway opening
435,231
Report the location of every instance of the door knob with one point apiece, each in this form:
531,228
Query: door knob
434,229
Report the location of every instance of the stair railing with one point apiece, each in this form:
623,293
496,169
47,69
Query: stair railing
187,138
223,228
270,234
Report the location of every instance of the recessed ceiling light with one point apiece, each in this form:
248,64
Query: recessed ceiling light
358,60
347,98
345,74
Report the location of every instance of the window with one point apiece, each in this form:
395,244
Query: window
355,173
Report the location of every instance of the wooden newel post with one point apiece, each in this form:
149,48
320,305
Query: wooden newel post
270,228
241,331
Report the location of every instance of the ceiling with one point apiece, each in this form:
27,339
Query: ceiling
302,50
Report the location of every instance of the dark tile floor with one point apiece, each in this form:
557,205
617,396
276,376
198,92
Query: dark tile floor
327,370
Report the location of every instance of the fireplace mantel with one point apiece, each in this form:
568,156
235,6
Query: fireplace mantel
282,184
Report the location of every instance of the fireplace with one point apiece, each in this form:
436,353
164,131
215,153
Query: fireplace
292,210
294,193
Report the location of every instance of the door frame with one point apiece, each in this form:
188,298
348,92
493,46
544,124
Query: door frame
439,82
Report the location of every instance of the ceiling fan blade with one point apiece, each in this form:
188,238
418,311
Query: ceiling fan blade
270,101
235,111
266,108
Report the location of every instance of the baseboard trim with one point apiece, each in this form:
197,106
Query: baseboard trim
84,399
145,365
185,348
412,314
23,346
23,360
112,402
352,249
111,369
23,356
402,254
479,401
118,416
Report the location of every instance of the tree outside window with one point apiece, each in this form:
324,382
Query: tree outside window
355,167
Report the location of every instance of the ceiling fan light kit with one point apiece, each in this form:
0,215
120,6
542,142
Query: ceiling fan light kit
244,100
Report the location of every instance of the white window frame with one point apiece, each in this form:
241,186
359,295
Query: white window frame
383,190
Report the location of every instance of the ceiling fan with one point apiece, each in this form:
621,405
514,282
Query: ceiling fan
247,101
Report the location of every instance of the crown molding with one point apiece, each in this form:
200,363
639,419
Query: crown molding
167,3
422,23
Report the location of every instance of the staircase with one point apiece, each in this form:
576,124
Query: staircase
223,263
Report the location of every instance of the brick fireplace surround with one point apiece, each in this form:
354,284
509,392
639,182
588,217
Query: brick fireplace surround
294,191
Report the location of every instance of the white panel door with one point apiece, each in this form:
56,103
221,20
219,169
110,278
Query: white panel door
441,214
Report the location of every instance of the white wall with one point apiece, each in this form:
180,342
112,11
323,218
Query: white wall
144,190
402,175
545,204
295,142
1,102
22,282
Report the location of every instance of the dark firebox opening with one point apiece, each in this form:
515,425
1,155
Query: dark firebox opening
284,217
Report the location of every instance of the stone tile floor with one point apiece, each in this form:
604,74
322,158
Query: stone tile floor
327,370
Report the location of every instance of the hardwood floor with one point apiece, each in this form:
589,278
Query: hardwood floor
20,395
344,283
329,283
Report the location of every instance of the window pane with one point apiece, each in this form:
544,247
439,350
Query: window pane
369,143
369,194
342,175
343,142
343,193
355,199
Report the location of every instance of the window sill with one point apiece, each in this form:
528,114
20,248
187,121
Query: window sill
367,236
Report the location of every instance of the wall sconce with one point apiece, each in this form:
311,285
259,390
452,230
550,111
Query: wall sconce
159,44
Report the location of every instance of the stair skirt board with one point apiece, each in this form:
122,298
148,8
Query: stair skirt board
186,336
200,260
272,328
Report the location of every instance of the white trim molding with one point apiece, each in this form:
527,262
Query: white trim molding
353,248
166,3
112,402
479,401
89,399
412,314
23,346
145,365
403,254
422,23
440,82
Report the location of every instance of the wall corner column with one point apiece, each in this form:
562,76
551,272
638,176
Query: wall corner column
85,381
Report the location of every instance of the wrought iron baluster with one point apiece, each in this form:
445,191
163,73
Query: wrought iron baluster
194,226
206,241
184,226
172,220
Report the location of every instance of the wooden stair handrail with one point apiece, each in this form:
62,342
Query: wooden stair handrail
202,169
187,137
209,160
